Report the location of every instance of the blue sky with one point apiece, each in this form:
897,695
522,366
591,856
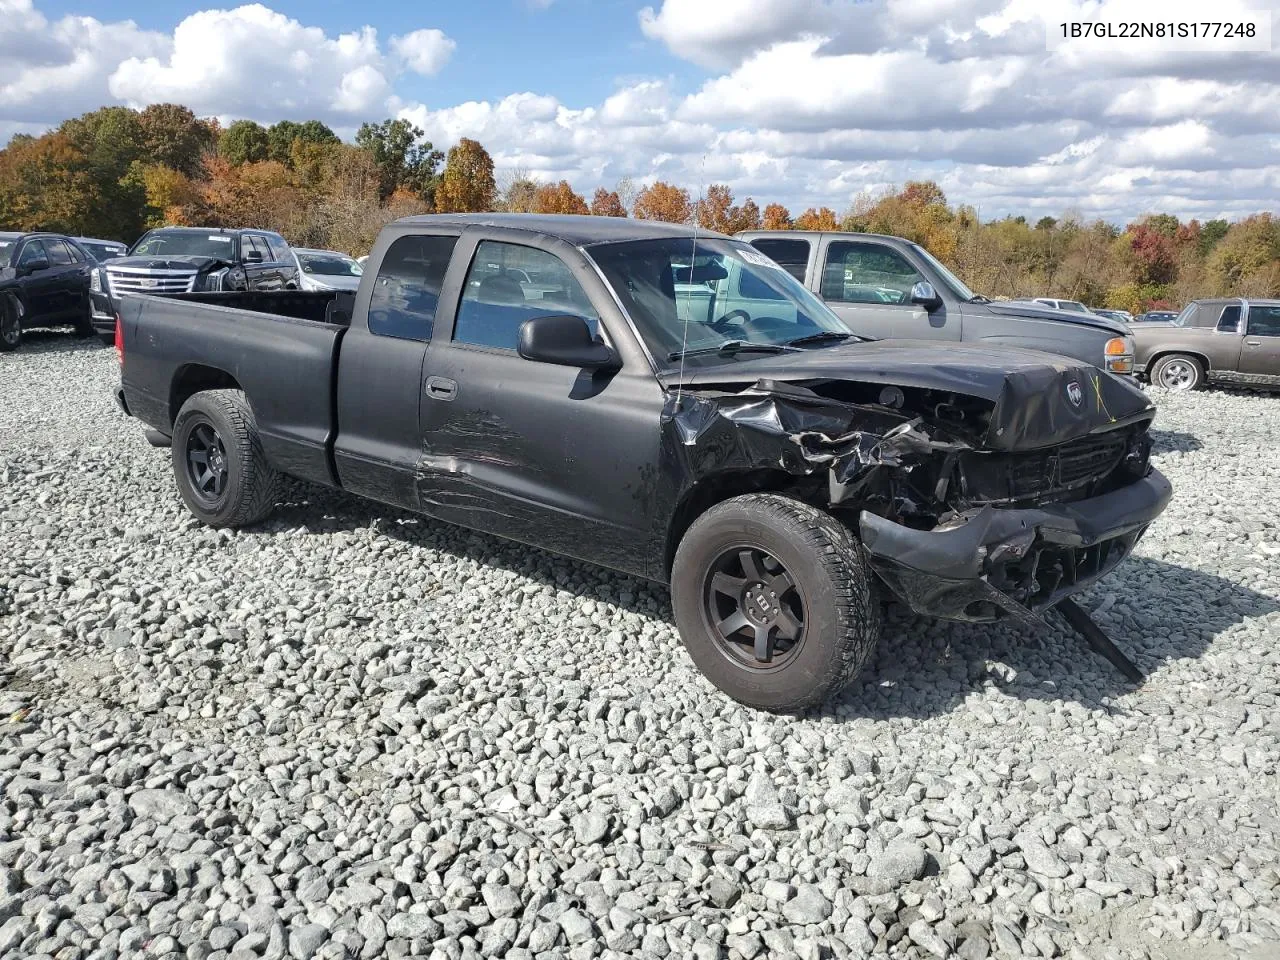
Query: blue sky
805,102
504,45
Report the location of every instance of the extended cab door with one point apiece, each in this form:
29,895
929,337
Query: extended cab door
1260,352
558,456
868,285
380,368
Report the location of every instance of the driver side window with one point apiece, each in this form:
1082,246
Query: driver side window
859,272
509,284
34,250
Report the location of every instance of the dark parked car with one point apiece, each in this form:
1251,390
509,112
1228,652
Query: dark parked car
188,259
1156,316
890,287
777,470
1230,341
44,282
103,250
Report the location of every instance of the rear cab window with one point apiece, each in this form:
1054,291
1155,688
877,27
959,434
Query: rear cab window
406,292
792,255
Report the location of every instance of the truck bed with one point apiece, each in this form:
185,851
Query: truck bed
281,348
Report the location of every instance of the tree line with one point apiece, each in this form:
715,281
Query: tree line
116,172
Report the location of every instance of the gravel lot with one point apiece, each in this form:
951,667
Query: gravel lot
353,733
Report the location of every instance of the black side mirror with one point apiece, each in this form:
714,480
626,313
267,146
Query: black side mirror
923,294
252,256
34,266
564,340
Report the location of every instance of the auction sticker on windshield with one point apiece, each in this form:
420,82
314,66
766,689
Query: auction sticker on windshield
755,257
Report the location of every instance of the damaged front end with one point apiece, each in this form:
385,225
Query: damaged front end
970,507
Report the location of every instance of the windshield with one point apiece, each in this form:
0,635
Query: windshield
102,251
1182,318
329,265
955,284
724,292
185,243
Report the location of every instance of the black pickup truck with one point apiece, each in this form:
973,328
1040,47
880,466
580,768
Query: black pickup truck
542,378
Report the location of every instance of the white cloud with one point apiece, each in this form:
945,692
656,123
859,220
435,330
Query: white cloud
803,101
252,60
61,65
424,51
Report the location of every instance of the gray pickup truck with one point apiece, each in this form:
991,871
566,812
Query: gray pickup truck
888,287
1231,341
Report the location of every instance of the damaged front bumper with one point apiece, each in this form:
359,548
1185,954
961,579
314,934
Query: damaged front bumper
992,562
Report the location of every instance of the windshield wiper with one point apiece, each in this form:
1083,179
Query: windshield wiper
730,347
820,337
978,298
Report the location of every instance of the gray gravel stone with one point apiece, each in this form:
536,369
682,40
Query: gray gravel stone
901,861
427,742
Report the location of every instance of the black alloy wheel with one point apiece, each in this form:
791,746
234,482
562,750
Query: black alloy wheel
207,467
754,609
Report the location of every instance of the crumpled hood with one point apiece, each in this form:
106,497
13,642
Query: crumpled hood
1036,311
1039,399
199,264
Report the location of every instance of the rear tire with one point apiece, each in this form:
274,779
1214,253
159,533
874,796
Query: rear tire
1178,372
766,574
218,462
10,326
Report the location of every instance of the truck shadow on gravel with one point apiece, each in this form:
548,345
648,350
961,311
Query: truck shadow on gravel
1167,441
1156,612
58,340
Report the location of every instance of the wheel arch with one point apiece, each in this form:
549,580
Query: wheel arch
193,378
716,488
1161,352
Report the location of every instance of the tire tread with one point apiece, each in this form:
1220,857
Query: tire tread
259,481
840,554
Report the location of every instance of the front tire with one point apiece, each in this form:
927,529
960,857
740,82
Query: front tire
218,462
775,602
1177,372
10,326
84,320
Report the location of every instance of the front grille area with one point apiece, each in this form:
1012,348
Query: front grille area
133,280
1072,471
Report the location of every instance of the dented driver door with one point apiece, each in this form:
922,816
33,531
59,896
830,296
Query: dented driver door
547,454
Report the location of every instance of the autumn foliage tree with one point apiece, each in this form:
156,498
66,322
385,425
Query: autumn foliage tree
467,184
777,217
558,198
717,211
607,203
820,219
663,201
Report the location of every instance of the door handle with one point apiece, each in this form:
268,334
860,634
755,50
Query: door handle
1254,343
441,388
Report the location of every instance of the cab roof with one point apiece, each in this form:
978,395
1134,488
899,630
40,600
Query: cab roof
579,230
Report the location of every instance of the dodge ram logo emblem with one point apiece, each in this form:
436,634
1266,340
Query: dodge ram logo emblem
1074,393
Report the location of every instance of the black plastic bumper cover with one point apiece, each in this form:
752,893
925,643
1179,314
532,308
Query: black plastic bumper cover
1012,561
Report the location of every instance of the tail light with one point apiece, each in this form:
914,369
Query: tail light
120,339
